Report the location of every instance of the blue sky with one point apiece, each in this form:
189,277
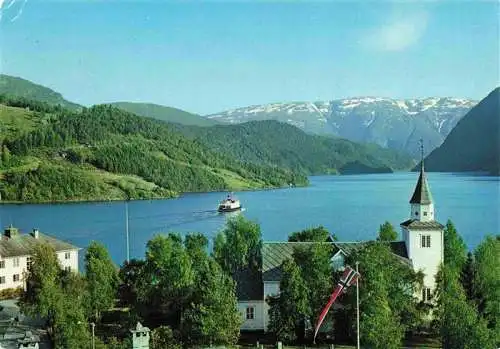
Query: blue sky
209,56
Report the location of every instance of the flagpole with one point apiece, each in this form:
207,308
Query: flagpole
126,230
357,305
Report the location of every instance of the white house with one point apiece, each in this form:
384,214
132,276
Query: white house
421,248
16,250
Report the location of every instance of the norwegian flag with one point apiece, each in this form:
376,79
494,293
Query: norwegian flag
349,277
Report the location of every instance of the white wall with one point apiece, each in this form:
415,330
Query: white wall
72,262
424,213
271,288
426,259
10,270
260,315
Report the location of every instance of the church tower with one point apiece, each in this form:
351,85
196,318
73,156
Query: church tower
423,235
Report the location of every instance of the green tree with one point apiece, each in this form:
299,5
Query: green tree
43,295
71,327
288,312
380,327
213,316
167,277
131,277
318,234
162,337
386,232
317,272
238,245
460,324
467,278
487,282
53,294
102,279
455,251
387,294
196,247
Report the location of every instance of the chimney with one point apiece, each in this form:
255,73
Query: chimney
35,233
10,232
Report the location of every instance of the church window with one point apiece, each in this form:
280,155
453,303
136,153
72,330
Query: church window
426,294
425,241
425,213
250,313
416,213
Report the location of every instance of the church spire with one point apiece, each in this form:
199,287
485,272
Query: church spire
422,194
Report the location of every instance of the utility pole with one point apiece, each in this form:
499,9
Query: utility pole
126,230
357,306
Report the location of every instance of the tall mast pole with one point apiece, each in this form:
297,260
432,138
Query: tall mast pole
422,153
357,306
126,230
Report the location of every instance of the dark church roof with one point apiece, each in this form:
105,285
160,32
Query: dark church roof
422,193
415,224
248,284
397,247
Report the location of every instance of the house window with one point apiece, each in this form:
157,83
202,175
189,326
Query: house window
425,213
28,262
2,279
67,255
425,241
250,313
426,294
67,268
16,262
16,278
2,264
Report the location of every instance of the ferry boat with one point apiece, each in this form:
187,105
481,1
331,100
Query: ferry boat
229,204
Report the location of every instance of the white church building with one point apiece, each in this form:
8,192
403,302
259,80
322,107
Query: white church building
421,247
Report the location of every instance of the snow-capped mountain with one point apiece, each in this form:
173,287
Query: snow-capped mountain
391,123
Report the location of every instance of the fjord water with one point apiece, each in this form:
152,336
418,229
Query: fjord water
352,207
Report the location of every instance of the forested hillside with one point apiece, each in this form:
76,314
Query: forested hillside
18,87
51,154
272,142
164,113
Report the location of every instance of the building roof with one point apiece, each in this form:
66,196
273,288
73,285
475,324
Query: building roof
415,224
275,253
13,244
248,284
397,247
422,194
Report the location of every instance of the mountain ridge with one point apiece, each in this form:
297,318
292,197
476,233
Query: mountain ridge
164,113
391,123
21,88
474,143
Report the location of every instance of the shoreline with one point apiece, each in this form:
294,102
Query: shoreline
178,195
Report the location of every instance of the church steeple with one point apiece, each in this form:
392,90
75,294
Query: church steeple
422,207
422,194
